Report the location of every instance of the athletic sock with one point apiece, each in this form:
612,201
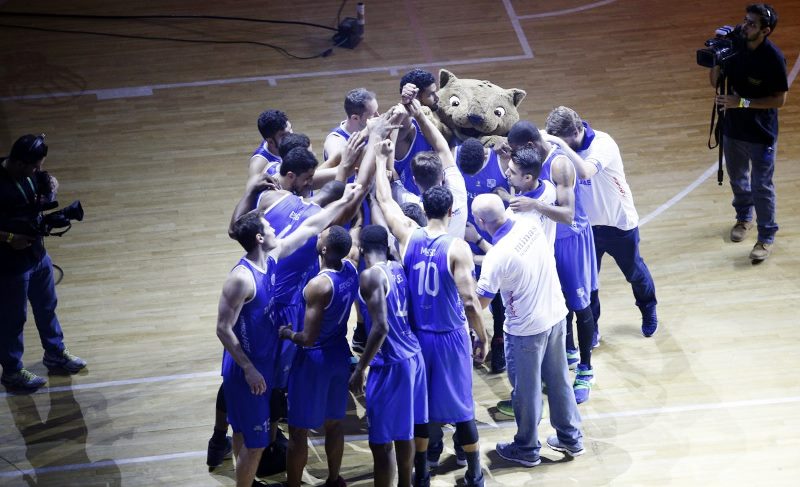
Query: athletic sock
219,436
473,465
585,324
421,464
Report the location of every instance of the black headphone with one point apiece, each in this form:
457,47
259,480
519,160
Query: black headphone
38,142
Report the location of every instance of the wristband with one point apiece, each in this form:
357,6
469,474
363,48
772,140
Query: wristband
10,237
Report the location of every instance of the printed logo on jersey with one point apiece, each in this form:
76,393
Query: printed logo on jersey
491,183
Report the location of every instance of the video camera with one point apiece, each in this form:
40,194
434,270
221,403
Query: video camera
43,227
720,49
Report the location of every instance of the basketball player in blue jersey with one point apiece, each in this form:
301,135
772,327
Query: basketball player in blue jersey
286,211
609,205
360,105
438,168
273,125
410,140
483,173
441,279
397,397
320,371
574,245
247,329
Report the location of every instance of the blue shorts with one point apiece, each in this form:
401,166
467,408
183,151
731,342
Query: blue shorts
286,314
576,263
448,367
248,413
397,399
318,384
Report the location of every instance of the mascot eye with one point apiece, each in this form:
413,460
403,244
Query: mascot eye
454,101
499,111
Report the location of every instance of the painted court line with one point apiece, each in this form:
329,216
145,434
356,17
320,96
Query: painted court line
682,194
557,13
351,438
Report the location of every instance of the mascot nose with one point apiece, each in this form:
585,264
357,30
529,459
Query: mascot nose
475,119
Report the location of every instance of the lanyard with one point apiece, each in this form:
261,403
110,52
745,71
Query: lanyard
22,190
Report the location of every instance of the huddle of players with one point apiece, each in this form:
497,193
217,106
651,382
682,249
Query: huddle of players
285,306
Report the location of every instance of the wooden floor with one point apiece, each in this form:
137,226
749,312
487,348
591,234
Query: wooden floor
154,137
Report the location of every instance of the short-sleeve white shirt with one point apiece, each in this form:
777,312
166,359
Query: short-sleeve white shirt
606,197
522,267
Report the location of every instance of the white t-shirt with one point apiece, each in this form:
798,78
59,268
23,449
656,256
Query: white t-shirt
606,197
454,181
522,267
546,193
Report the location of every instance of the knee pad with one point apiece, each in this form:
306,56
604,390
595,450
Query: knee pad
467,432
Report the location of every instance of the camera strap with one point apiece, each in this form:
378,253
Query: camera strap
22,190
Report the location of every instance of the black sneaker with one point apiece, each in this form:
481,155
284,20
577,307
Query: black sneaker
218,451
498,362
64,361
22,380
359,338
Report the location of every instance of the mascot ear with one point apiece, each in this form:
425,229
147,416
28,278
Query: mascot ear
516,95
445,77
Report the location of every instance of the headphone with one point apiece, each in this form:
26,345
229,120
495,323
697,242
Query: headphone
38,142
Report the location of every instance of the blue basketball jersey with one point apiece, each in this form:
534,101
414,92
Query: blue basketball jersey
403,166
580,221
266,154
344,285
255,328
484,181
293,271
401,342
337,132
435,303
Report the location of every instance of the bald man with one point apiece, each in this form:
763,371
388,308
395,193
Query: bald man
521,266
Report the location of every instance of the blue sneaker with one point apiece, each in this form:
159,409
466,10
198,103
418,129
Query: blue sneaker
555,444
512,453
649,322
583,383
573,357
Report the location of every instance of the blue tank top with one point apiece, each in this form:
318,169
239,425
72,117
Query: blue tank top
344,285
256,327
484,181
403,166
339,131
401,342
435,303
580,221
295,270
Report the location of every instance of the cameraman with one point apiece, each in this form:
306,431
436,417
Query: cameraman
758,78
26,271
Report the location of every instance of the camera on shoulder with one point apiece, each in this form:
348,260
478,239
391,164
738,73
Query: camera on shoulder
727,43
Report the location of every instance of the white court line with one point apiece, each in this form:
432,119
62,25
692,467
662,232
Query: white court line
523,39
565,11
682,194
350,438
271,80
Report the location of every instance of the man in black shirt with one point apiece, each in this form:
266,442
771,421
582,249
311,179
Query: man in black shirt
758,78
26,271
